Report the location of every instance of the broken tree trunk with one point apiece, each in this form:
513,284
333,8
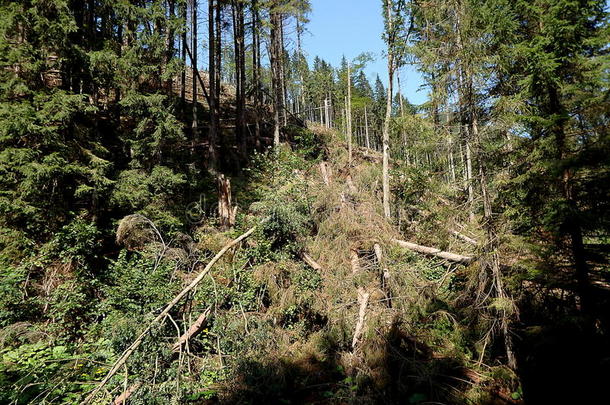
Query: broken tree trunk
310,261
124,396
384,275
225,208
463,237
123,358
363,299
355,260
452,257
326,173
350,185
193,330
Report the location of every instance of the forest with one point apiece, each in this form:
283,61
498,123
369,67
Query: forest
197,209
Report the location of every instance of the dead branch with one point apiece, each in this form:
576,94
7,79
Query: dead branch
326,172
310,261
163,314
463,237
122,399
193,330
452,257
350,185
355,260
385,275
363,299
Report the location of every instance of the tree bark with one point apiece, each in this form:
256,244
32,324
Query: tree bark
311,262
276,81
240,73
195,135
193,330
124,396
213,101
430,251
366,129
183,13
256,71
349,114
225,206
386,124
363,299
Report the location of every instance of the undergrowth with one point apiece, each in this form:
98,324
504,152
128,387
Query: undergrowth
279,330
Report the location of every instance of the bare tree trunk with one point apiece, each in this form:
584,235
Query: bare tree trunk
124,396
363,299
225,206
193,330
195,135
170,44
240,73
469,181
386,124
366,129
256,81
402,113
282,72
276,72
183,13
213,134
452,257
349,114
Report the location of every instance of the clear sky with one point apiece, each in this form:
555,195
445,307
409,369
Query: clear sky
350,27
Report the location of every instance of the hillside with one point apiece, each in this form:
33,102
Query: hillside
196,209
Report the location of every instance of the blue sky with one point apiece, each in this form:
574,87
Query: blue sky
350,27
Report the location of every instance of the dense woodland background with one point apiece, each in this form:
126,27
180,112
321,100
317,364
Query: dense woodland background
452,252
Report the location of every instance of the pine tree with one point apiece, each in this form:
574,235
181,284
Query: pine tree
557,62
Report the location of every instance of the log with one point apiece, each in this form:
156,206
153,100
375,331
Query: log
226,213
430,251
463,237
350,185
378,253
355,260
363,299
385,275
136,343
122,399
193,330
310,261
326,172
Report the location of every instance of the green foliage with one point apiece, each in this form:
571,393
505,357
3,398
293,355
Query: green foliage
78,241
308,142
138,284
153,194
41,372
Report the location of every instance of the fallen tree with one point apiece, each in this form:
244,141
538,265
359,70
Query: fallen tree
310,261
128,352
363,300
124,396
463,237
430,251
193,330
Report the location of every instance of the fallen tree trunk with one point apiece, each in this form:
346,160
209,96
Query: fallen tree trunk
122,399
452,257
326,172
119,363
355,261
310,261
464,237
384,275
363,299
193,330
